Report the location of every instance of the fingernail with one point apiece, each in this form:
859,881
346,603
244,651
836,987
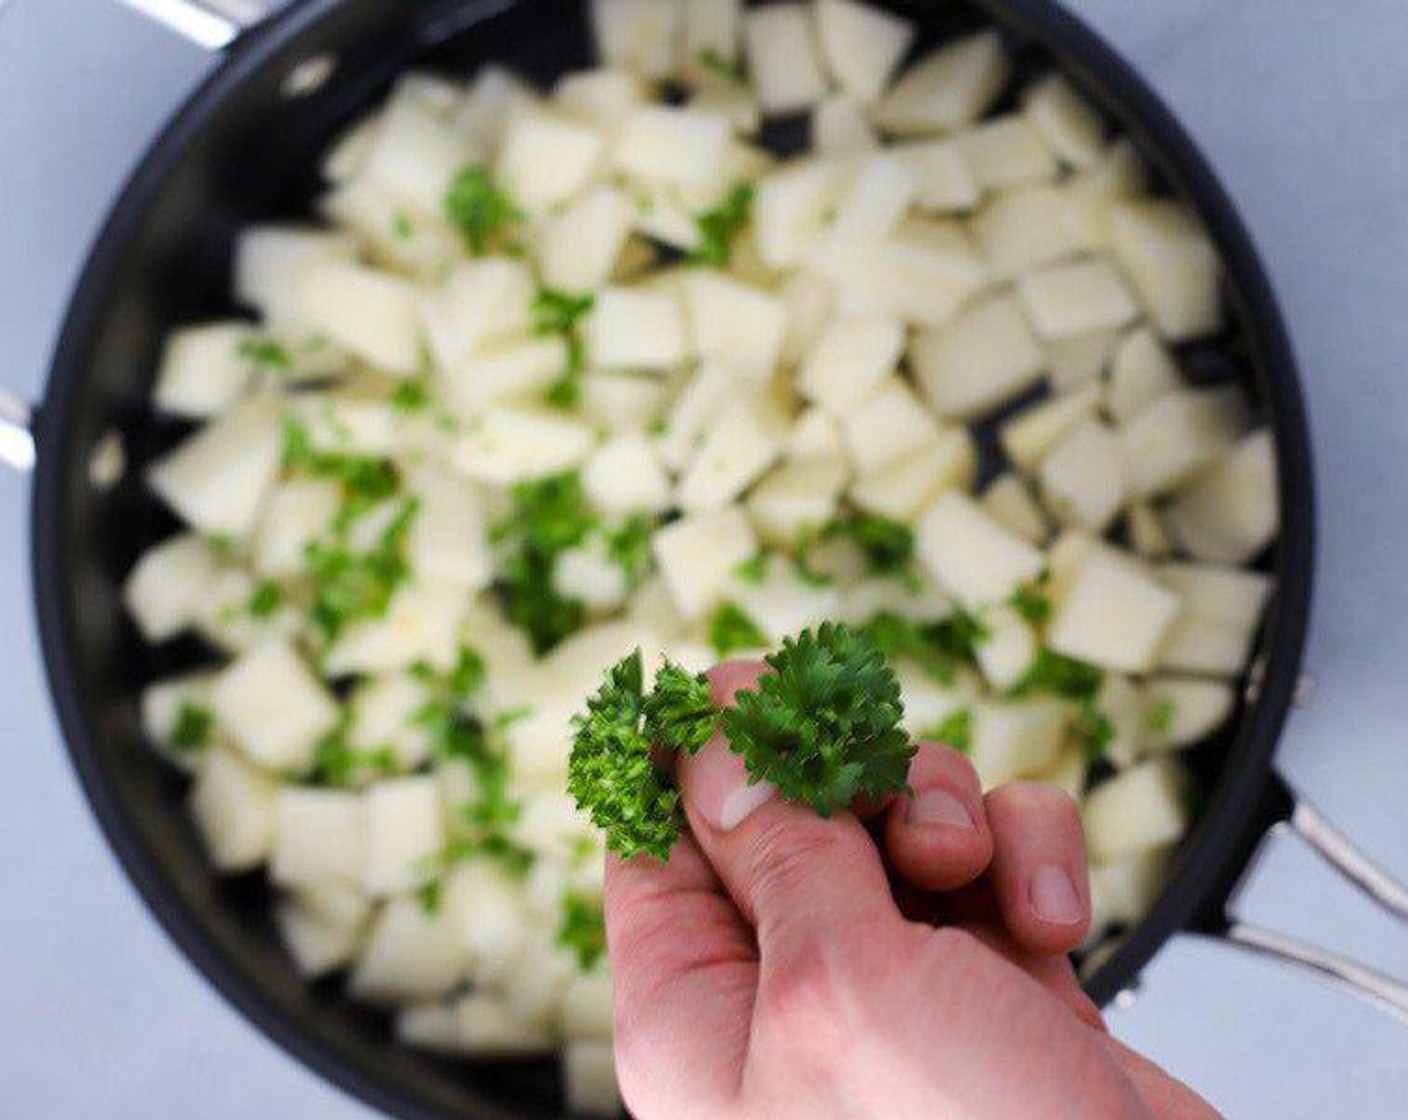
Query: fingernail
938,806
1054,896
716,781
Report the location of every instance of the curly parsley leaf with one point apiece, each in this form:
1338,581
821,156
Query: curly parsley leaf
720,227
582,929
732,629
679,713
482,211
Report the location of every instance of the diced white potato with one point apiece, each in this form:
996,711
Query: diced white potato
488,1029
162,706
371,314
1066,121
1079,359
946,184
927,702
533,990
431,1027
889,427
637,35
1130,886
782,604
337,904
948,88
1077,298
447,541
1114,614
166,589
800,494
1064,559
437,94
1140,809
1180,433
623,402
810,299
487,906
1024,229
861,45
1012,503
1017,738
227,623
203,371
384,713
403,832
551,826
1147,533
586,1008
272,261
274,708
479,302
979,360
879,195
736,326
414,155
495,97
298,512
849,362
663,214
317,947
1122,702
1233,596
217,479
922,275
351,421
392,237
1142,372
601,98
679,147
905,488
1028,437
738,448
579,248
816,434
698,554
1174,266
319,836
1206,647
507,373
634,328
703,397
547,159
421,624
735,103
511,445
1229,513
842,130
971,554
783,57
232,804
1009,649
711,31
1006,152
1180,713
589,575
347,156
1085,480
589,1078
625,476
790,210
411,954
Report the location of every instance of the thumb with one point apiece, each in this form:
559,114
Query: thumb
796,877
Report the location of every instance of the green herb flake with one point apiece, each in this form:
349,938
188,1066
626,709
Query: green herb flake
467,677
266,352
348,586
561,313
753,570
1032,601
1158,720
714,62
582,929
888,546
1093,731
628,547
402,227
480,210
1060,675
719,227
732,629
956,731
266,600
192,728
365,482
411,395
337,763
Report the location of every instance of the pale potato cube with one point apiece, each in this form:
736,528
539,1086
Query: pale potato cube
533,990
298,512
589,1077
274,707
601,98
511,445
403,832
738,448
430,1027
1024,229
1029,436
1114,614
393,237
784,605
162,706
370,314
907,487
790,210
589,575
850,361
547,159
698,554
679,147
586,1008
414,156
1179,434
816,435
631,328
1066,121
623,403
876,199
737,105
1079,359
1011,502
711,30
227,623
1015,739
495,96
1142,372
1205,647
232,804
624,476
479,302
335,904
217,479
946,184
1122,702
1005,152
1135,811
736,326
1009,649
922,275
411,954
703,397
1119,173
317,947
447,541
862,46
1181,713
421,624
579,247
948,88
384,713
637,35
1174,265
1065,557
783,57
982,358
927,703
799,495
1130,886
272,261
1085,480
1077,298
842,130
350,422
1233,596
202,371
1230,513
348,154
1147,533
971,554
319,836
889,427
663,214
488,1029
810,299
519,372
488,908
166,590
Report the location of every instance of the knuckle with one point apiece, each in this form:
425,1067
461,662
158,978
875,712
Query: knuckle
785,854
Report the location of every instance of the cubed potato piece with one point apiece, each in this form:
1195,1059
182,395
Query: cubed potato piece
347,156
319,836
678,147
414,155
166,589
1068,123
1230,513
624,476
1085,480
1205,647
274,708
905,488
738,448
488,907
370,314
842,130
698,554
799,495
1114,614
479,302
1024,229
1142,372
232,804
517,372
495,96
533,990
384,713
393,237
227,623
888,428
712,30
271,264
703,397
862,46
511,445
927,703
1076,298
946,184
163,705
783,57
421,624
816,434
810,299
1174,265
411,954
586,1008
922,275
217,479
1180,434
298,512
579,247
948,88
632,328
487,1029
601,98
203,370
850,361
971,554
662,214
984,357
1015,739
637,35
878,196
588,574
1147,533
316,945
1011,502
350,422
1029,436
624,403
1079,359
589,1079
547,160
1009,649
1144,807
782,604
1122,702
1181,713
790,210
736,326
404,831
1233,596
1006,152
1130,886
448,540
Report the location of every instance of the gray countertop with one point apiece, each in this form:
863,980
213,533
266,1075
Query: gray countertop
1300,106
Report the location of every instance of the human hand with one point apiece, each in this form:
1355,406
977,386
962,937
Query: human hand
770,969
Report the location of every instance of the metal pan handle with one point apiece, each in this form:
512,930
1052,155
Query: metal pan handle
212,24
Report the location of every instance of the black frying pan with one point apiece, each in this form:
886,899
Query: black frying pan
245,149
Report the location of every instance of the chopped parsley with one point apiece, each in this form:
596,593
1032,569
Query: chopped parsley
731,629
266,600
1158,720
1093,731
1061,676
337,763
192,728
628,547
480,210
348,586
753,570
1032,600
936,647
888,546
403,227
560,313
266,352
955,730
715,63
365,481
719,227
411,395
582,929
